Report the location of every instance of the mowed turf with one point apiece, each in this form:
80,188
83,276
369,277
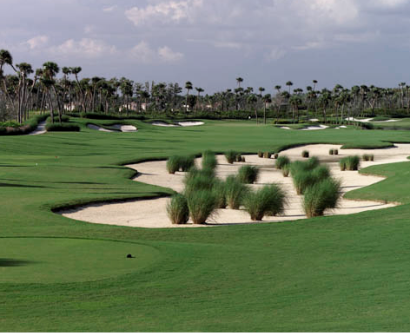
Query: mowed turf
341,273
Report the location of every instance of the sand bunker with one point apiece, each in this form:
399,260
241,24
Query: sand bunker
178,124
152,213
41,129
315,128
125,128
98,128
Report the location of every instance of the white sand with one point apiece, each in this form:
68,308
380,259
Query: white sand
41,129
162,124
315,128
285,128
125,128
98,128
359,120
152,213
190,123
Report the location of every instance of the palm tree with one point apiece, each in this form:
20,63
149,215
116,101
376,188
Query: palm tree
295,101
188,87
50,70
289,84
324,101
239,80
266,100
199,91
25,69
252,100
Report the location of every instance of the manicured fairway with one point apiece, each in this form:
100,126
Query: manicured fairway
341,273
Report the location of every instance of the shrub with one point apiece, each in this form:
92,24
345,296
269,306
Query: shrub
268,200
267,155
286,170
349,163
177,208
231,156
62,127
209,160
304,178
235,192
321,196
368,157
260,154
248,174
281,162
305,154
201,204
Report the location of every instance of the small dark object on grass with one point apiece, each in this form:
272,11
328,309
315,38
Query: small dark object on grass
129,256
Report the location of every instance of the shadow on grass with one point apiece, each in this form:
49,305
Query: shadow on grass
14,262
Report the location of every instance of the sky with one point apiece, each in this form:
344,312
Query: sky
212,42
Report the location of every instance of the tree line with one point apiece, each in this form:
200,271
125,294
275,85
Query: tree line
26,89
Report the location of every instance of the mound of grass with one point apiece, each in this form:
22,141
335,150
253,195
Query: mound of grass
269,199
349,163
305,154
209,160
282,161
235,192
368,157
248,174
201,204
180,163
321,196
177,209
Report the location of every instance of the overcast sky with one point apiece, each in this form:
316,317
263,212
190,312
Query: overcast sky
211,42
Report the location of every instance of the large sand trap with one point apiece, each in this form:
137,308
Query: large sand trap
315,128
125,128
178,124
98,128
41,129
152,213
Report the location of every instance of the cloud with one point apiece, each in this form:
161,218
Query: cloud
164,12
37,42
143,53
109,9
86,47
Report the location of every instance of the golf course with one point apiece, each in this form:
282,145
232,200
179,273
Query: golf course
328,273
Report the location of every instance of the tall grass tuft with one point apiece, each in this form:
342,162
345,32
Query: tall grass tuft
180,163
281,162
305,154
286,170
201,204
231,156
331,152
199,180
368,157
248,174
260,154
303,177
321,196
275,156
235,192
177,208
268,200
349,163
267,155
219,191
209,160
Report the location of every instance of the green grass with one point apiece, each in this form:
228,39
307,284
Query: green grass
209,160
339,273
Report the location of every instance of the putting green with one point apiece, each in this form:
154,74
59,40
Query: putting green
61,260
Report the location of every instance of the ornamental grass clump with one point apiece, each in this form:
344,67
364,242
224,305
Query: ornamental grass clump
281,162
209,160
368,157
260,154
267,155
173,164
201,204
248,174
196,179
286,170
177,209
305,154
303,176
333,151
219,191
231,156
321,196
268,200
180,163
240,158
349,163
275,156
235,192
186,163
